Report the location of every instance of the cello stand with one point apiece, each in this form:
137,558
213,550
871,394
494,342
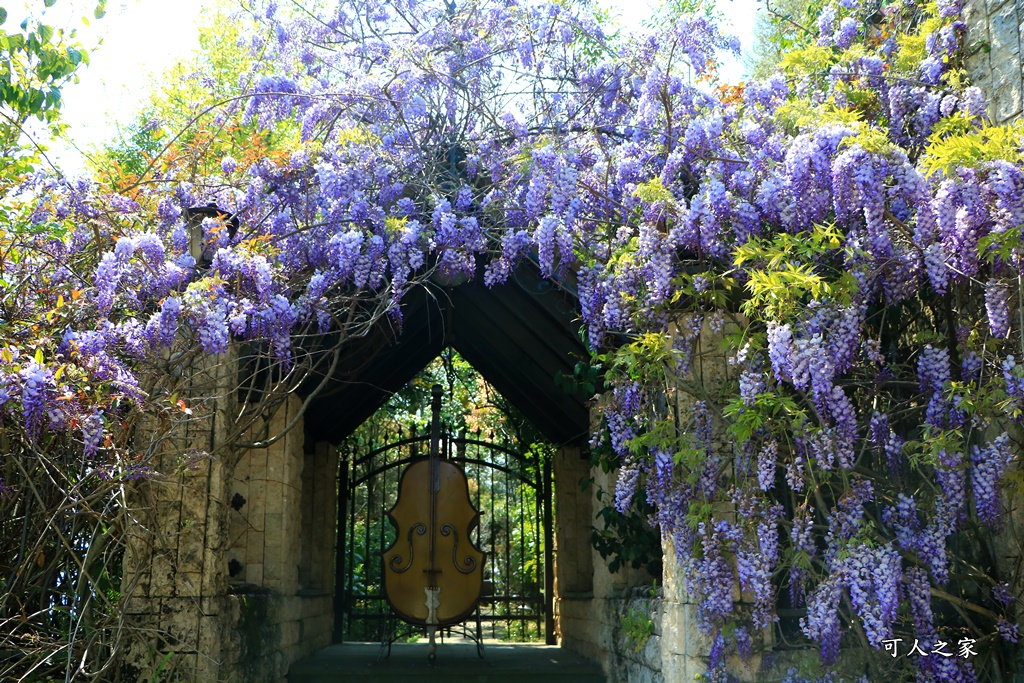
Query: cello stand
390,636
401,630
432,650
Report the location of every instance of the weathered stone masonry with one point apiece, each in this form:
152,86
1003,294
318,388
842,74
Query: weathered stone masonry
994,39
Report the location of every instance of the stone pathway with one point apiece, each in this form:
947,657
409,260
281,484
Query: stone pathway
457,662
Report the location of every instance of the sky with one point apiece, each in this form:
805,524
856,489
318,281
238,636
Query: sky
138,40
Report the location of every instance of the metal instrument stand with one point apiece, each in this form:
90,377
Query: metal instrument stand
404,629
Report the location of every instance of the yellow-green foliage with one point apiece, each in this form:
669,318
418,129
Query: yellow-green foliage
654,192
871,140
801,116
357,135
220,58
912,48
949,148
650,357
811,59
395,225
783,272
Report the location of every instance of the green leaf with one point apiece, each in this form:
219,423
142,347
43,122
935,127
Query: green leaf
3,15
39,355
49,3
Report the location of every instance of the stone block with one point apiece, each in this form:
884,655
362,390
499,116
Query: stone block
240,473
218,606
279,420
650,655
188,666
273,532
696,666
254,573
289,633
274,502
697,644
256,506
191,544
166,490
290,654
187,584
673,629
139,582
181,626
272,575
238,527
673,668
1004,36
254,547
993,6
290,609
295,459
138,604
746,671
974,13
257,464
241,488
162,576
1007,104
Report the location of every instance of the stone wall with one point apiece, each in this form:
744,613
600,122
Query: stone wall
591,602
592,614
601,617
574,562
174,584
231,570
635,654
281,558
994,40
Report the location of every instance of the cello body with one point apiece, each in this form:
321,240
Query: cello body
433,574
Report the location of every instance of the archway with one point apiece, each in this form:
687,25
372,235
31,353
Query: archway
286,563
520,337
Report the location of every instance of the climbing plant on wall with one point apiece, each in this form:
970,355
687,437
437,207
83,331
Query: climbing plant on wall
851,225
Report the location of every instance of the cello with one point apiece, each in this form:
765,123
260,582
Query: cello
433,573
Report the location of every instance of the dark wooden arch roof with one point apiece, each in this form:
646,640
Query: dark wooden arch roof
518,336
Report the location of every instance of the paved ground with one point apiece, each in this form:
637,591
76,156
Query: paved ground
457,662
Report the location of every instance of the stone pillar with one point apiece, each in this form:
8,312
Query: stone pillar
325,504
266,539
282,540
319,538
608,584
684,649
267,547
994,38
175,566
574,564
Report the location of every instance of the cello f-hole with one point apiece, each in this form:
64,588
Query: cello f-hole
469,561
396,561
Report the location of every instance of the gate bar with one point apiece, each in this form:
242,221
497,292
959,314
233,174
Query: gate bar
549,560
339,550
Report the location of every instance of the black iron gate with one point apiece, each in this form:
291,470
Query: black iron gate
511,489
